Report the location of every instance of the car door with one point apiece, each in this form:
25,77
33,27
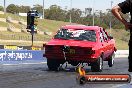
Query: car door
108,43
104,43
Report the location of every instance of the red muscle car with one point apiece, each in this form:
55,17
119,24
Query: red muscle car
80,44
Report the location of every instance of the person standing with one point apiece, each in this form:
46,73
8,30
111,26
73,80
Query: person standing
125,7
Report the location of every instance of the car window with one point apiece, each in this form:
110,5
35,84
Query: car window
84,35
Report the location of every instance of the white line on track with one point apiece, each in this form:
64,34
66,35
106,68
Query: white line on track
24,64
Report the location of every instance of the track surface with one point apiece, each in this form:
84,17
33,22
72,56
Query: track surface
38,76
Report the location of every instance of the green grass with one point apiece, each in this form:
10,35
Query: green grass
22,36
24,43
2,16
51,25
43,25
15,17
48,25
121,37
122,45
16,25
3,24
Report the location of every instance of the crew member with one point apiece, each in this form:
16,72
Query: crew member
125,7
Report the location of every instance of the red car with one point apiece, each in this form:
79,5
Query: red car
80,44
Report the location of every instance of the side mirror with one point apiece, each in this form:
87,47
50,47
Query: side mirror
110,37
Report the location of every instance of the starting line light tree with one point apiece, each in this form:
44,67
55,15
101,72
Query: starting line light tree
32,22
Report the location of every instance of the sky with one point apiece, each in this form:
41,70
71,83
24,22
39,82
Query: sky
81,4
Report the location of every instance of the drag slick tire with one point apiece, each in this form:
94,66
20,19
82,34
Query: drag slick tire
97,66
111,60
53,64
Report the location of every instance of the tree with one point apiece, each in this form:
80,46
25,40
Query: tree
12,9
24,9
55,13
38,7
1,8
75,14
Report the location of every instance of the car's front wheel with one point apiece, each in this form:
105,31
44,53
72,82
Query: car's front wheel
98,65
53,64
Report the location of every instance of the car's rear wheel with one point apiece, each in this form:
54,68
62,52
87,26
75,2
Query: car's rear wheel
53,64
98,65
111,60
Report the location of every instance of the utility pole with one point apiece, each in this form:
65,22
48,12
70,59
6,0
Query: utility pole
70,12
93,13
93,16
4,6
111,17
43,9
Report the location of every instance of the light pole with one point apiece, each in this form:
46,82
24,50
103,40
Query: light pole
93,13
4,6
111,17
93,16
43,9
70,12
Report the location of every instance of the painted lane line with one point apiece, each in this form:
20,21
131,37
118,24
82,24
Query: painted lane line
24,64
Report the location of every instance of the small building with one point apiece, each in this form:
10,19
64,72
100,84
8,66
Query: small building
22,14
25,14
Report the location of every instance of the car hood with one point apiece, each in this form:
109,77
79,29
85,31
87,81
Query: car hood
71,43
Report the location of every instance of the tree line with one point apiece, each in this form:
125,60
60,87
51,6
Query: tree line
85,17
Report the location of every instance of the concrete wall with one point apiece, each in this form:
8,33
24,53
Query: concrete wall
2,19
3,28
122,53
